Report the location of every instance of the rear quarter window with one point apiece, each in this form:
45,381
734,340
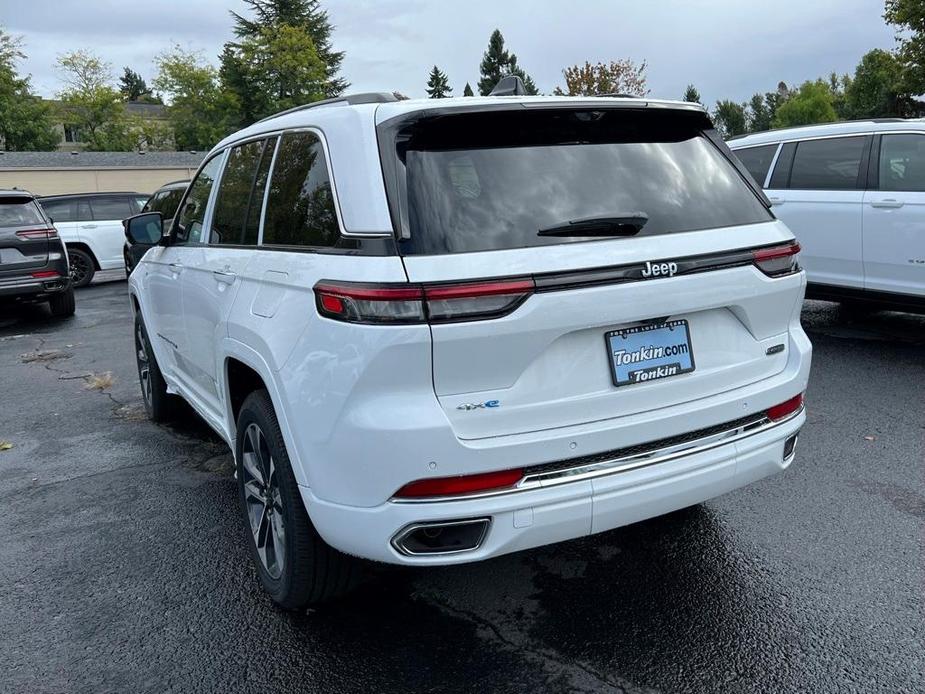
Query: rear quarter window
483,181
757,160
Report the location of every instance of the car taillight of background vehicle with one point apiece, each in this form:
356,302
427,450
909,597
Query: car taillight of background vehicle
778,260
402,304
37,234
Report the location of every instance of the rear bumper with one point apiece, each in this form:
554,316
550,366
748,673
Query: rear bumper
538,516
32,289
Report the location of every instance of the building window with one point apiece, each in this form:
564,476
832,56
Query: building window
71,134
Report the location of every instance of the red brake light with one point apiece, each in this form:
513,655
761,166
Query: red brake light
778,260
45,274
38,234
467,484
785,409
411,303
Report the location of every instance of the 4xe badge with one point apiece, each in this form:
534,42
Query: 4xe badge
659,269
488,404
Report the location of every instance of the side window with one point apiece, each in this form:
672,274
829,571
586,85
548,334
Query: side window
137,203
188,227
902,162
110,208
236,219
757,160
83,211
60,210
300,203
827,164
154,203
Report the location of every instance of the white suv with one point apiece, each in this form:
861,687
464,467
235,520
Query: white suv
438,331
854,194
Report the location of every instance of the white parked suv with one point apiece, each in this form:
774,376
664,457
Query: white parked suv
437,331
90,224
854,195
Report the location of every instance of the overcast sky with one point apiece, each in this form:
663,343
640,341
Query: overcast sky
727,48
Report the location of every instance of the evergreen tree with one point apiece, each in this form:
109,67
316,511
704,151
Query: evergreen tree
759,114
132,85
307,14
468,90
438,86
730,118
25,120
691,94
498,62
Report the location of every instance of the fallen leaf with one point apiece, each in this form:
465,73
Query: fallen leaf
5,445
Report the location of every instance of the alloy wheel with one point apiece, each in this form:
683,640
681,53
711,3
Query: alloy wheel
262,501
144,365
79,269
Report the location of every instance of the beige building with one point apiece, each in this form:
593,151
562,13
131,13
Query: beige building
55,173
69,138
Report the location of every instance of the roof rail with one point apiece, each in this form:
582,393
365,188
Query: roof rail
620,95
816,125
350,100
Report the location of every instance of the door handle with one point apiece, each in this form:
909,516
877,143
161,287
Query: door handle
176,268
224,276
88,226
889,203
776,201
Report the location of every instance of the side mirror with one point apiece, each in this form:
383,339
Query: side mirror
144,229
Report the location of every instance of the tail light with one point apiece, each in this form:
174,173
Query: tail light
38,234
46,274
778,260
413,303
785,409
465,484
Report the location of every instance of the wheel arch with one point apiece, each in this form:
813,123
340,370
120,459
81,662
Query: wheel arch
81,246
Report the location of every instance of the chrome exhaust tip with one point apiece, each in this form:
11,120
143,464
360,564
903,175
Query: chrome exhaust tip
790,446
441,537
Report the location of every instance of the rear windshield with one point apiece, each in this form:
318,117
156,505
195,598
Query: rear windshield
19,212
492,180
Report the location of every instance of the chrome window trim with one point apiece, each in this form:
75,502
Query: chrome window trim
767,177
613,466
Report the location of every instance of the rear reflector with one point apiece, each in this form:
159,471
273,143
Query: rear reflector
785,409
779,260
45,274
467,484
412,303
37,234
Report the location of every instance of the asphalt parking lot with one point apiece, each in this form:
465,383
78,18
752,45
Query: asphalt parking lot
123,566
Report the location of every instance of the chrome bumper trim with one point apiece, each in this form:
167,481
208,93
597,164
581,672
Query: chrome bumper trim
620,463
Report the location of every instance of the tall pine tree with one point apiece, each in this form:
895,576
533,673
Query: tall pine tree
498,62
468,90
438,86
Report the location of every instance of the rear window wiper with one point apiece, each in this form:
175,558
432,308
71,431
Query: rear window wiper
611,225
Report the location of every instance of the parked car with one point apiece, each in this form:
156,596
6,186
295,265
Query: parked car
91,226
33,260
854,195
165,200
438,331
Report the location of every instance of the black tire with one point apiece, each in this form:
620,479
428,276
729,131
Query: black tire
160,405
62,304
82,267
307,571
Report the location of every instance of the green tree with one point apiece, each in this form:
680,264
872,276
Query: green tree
839,87
200,112
498,62
875,91
438,86
812,103
132,85
909,17
25,120
468,90
616,77
293,40
759,114
691,94
91,105
729,118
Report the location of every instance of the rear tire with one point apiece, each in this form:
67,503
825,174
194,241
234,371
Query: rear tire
62,304
82,267
160,405
296,567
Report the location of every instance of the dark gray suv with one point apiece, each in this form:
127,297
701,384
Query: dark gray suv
33,259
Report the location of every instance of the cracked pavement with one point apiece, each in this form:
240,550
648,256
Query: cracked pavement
123,565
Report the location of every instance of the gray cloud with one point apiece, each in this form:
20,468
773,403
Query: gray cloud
727,48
